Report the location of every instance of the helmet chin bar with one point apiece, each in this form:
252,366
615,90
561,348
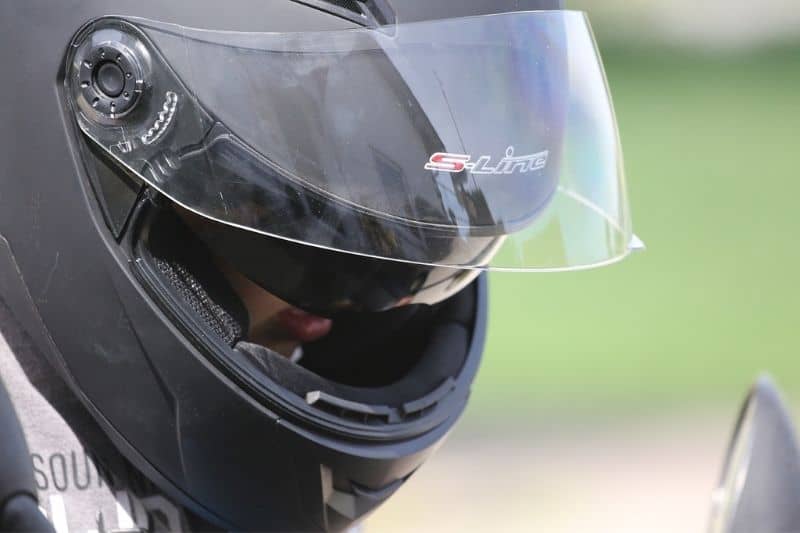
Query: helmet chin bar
420,403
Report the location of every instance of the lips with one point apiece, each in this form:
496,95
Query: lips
303,326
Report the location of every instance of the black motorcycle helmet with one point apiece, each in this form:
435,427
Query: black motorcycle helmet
364,160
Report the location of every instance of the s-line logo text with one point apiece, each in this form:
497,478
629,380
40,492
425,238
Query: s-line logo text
455,163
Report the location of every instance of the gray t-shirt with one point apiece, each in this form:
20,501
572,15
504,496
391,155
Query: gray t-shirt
76,490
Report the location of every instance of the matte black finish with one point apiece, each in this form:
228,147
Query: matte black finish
16,475
140,365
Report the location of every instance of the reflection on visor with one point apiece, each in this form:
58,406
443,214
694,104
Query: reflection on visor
481,142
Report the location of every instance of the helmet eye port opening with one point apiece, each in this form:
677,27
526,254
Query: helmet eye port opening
376,371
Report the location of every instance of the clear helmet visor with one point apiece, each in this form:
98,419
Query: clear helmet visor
483,142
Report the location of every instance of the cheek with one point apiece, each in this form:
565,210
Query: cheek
261,305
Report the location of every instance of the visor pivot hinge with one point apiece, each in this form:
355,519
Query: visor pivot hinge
109,77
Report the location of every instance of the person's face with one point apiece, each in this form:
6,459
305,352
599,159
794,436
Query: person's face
274,323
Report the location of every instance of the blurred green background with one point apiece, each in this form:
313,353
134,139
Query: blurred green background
606,397
711,145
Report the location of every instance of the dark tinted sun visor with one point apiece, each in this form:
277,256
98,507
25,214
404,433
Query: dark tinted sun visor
480,142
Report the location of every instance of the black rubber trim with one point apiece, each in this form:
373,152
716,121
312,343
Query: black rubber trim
417,406
21,514
16,471
366,412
